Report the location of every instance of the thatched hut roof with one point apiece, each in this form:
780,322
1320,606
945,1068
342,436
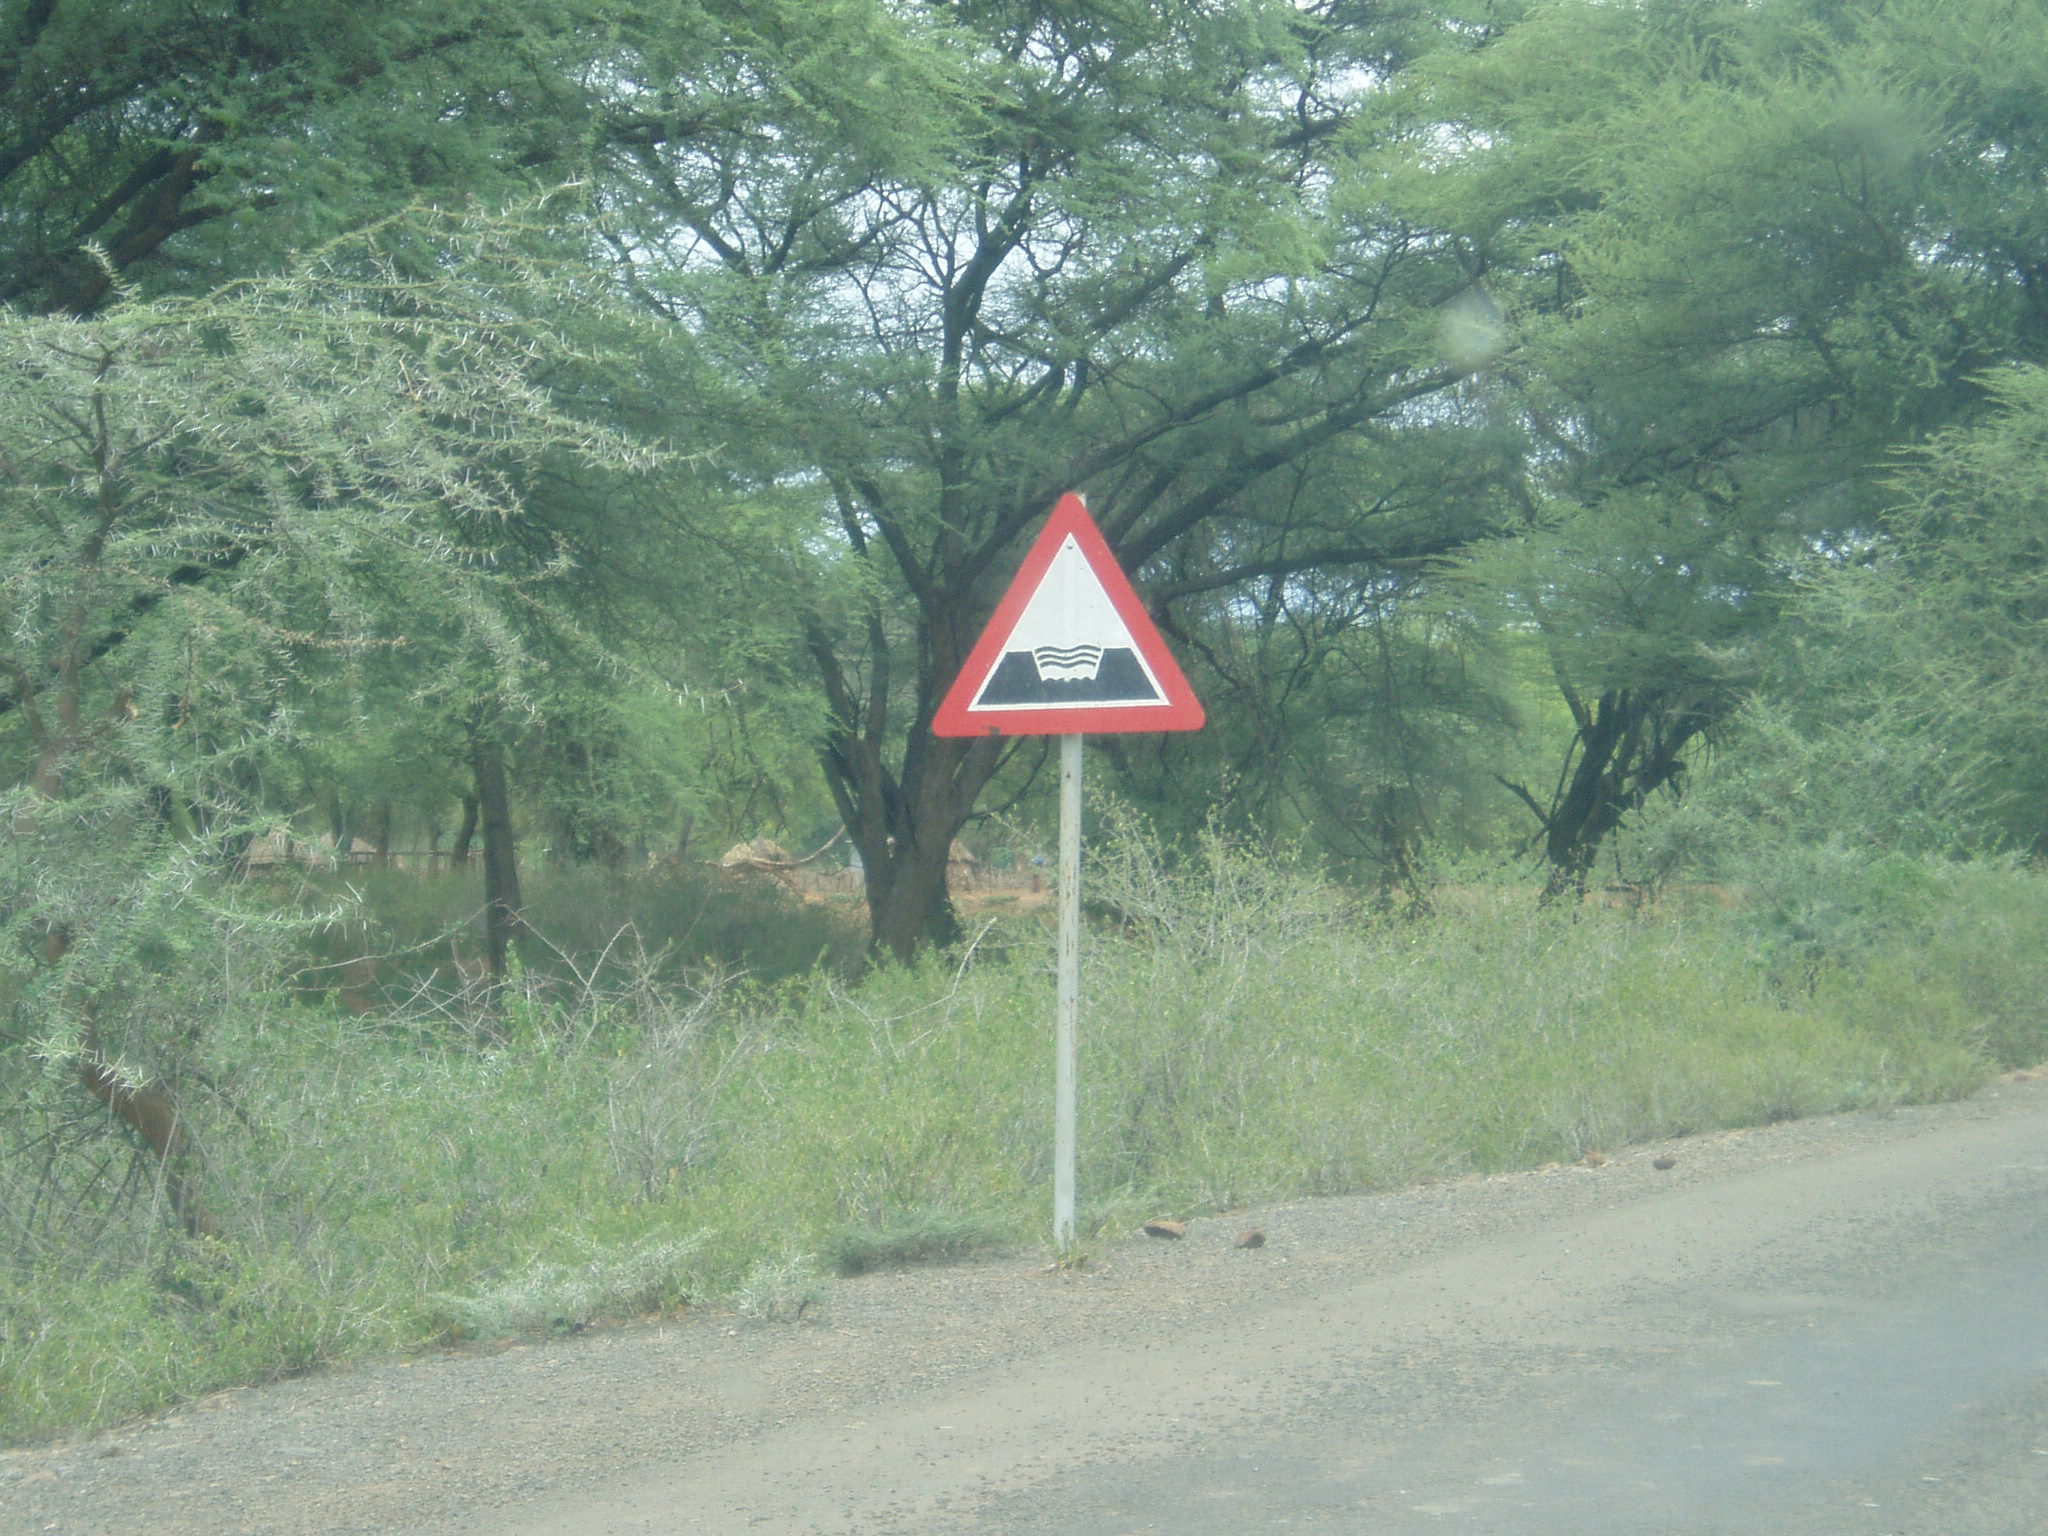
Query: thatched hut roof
757,850
272,848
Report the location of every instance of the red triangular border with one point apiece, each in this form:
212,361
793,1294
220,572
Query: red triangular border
1180,711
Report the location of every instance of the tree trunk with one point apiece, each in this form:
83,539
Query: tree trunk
1631,744
1589,806
458,856
145,1108
502,902
148,1111
910,904
904,829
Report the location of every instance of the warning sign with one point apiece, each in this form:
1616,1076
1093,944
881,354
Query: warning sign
1069,649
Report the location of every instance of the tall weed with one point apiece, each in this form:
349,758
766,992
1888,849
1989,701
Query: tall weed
386,1180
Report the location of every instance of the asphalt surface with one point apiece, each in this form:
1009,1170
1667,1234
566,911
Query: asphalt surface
1908,1393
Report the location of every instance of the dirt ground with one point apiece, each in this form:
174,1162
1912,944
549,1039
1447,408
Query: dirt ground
922,1400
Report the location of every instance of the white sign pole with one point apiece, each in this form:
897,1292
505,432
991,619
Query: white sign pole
1064,1028
1068,649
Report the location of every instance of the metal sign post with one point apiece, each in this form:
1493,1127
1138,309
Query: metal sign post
1066,1024
1069,649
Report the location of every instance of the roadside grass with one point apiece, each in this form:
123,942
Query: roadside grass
397,1180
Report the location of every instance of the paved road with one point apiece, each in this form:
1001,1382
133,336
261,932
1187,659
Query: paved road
1906,1394
1852,1342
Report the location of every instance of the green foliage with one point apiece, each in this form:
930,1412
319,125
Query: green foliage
195,145
1738,253
204,505
1897,718
386,1181
1960,609
1367,719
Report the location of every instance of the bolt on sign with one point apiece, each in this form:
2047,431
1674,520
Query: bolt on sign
1069,650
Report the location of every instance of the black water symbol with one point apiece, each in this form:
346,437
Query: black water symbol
1119,679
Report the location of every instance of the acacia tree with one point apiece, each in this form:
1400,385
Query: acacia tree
205,505
1362,718
194,144
1123,269
1940,641
197,144
1743,253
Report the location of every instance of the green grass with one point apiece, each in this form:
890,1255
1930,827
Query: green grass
388,1181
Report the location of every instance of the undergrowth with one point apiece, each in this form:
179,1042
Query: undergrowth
583,1153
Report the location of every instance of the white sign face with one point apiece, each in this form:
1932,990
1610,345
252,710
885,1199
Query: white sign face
1069,646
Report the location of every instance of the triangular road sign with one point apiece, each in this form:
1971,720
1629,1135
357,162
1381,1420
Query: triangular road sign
1069,649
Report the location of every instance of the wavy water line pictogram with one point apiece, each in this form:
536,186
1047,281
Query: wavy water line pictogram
1067,663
